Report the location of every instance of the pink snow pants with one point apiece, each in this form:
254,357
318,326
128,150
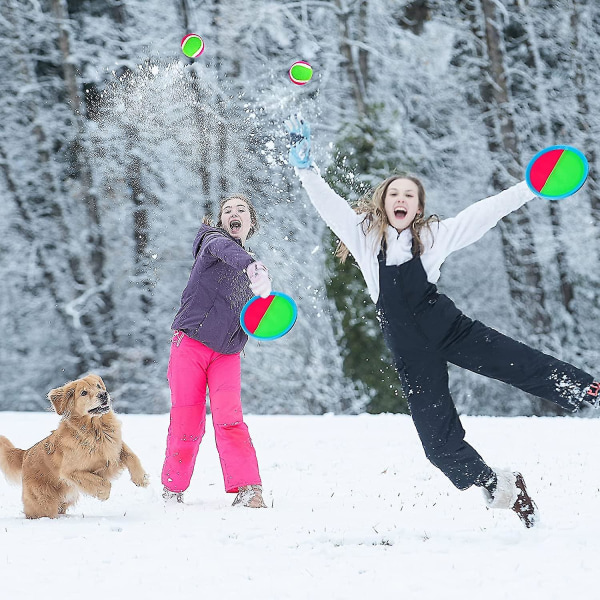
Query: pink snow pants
193,366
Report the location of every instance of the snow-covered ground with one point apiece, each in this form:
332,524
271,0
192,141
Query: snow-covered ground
356,512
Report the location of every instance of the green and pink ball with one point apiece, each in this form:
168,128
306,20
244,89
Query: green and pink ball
300,73
192,45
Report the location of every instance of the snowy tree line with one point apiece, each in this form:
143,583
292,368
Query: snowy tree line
113,146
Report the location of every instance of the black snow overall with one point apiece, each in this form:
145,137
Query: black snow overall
424,331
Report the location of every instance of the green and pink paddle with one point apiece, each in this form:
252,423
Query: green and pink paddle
269,318
557,172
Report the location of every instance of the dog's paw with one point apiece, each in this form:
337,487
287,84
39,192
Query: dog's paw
143,481
103,492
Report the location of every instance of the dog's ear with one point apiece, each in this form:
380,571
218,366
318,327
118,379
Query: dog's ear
60,398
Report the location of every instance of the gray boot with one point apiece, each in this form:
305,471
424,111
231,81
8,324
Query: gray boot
170,496
250,496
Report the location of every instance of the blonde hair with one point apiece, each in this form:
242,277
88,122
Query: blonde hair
372,205
253,218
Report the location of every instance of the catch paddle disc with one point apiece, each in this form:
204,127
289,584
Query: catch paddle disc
557,172
269,318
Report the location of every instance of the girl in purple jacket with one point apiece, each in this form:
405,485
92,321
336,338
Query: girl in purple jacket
205,351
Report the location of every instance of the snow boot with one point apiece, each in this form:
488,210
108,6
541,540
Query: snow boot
170,496
592,396
511,493
250,496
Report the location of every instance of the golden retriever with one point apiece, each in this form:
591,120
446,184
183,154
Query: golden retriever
83,454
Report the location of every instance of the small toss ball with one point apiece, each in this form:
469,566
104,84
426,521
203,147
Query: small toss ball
192,45
300,73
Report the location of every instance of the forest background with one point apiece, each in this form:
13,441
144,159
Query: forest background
113,145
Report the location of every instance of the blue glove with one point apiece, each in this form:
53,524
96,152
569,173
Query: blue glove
299,132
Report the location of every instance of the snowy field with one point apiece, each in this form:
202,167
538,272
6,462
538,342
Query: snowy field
356,512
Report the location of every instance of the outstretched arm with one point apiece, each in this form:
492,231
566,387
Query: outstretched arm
473,222
334,210
225,249
212,241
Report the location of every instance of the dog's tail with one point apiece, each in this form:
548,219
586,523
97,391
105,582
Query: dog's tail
11,460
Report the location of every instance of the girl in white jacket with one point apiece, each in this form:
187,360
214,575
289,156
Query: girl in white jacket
400,253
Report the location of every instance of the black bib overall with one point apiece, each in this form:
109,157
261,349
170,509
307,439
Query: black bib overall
424,331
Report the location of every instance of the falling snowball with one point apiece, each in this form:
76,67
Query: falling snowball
300,73
192,45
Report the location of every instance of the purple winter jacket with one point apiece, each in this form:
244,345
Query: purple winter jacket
216,292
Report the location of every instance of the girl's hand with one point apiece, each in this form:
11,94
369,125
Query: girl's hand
299,132
260,282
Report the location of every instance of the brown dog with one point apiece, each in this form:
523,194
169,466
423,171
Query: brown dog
83,454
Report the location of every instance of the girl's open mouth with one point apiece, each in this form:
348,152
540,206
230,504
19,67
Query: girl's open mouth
400,213
235,225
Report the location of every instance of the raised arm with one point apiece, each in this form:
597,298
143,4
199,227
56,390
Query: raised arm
473,222
334,210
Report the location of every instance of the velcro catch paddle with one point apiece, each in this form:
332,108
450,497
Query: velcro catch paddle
557,172
269,318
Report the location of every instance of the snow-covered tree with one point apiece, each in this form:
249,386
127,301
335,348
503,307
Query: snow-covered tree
113,145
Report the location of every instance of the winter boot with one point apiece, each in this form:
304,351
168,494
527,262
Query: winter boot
592,396
250,496
170,496
511,493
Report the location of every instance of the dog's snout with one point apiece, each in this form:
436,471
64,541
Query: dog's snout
103,396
